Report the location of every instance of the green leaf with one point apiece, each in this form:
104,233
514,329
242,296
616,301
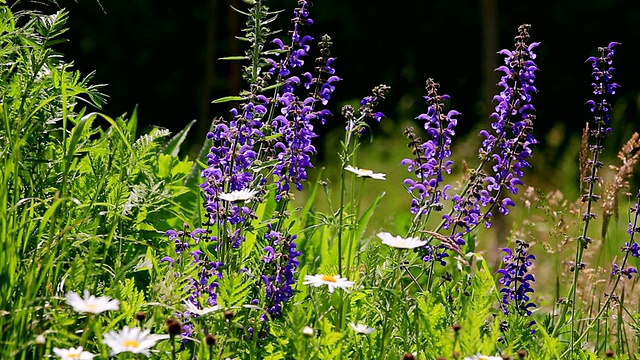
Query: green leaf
117,128
173,146
227,99
132,125
240,11
366,217
234,290
73,142
238,57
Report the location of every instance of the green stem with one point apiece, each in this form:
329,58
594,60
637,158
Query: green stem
341,219
581,245
173,347
224,342
86,332
596,318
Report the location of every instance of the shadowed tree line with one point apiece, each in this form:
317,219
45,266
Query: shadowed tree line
162,55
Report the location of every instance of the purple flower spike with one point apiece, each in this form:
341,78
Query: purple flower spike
281,263
601,109
431,157
516,279
506,147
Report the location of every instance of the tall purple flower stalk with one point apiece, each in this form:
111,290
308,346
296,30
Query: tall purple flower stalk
601,109
205,283
430,162
293,149
294,123
506,147
281,262
431,158
516,279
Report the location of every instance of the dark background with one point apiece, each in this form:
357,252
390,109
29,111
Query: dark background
162,55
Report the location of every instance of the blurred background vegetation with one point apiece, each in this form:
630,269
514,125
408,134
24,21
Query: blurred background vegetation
161,56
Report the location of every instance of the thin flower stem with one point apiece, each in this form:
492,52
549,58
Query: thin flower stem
604,307
345,157
582,243
257,45
173,347
87,331
224,342
341,216
352,233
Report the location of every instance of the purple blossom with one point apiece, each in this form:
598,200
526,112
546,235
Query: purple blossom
230,160
601,109
431,158
624,272
204,282
281,263
632,248
505,147
296,113
516,279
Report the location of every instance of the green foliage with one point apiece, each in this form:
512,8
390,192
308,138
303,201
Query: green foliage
88,202
83,204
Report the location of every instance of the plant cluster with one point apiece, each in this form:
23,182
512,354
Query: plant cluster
215,259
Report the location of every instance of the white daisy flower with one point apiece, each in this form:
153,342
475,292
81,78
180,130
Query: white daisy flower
238,195
332,281
133,340
73,354
399,242
483,357
192,308
361,329
90,303
366,173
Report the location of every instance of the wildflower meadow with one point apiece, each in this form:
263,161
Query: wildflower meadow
114,244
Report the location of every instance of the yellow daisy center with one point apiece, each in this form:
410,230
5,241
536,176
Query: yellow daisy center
131,344
329,278
92,307
73,356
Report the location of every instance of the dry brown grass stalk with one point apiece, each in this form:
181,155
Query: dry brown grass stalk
629,155
584,155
